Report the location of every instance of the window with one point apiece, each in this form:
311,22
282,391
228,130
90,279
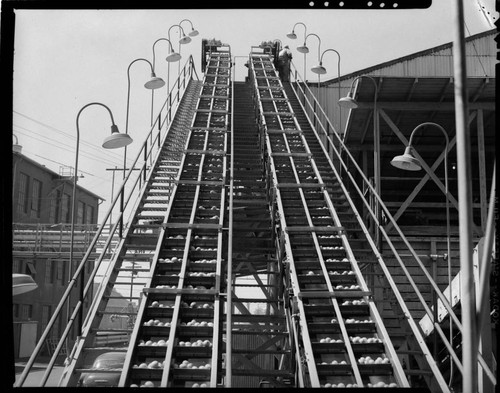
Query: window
89,215
16,266
15,310
55,203
49,271
22,193
36,199
66,209
60,270
26,311
80,212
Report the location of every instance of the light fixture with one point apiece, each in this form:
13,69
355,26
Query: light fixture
116,139
303,48
185,39
154,83
319,69
22,283
16,147
292,35
173,57
406,161
193,32
348,101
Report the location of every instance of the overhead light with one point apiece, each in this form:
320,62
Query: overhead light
319,69
174,56
194,33
407,161
185,39
348,102
303,49
116,139
22,283
292,35
154,83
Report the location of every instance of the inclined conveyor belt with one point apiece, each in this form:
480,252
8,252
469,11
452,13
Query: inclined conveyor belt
342,340
176,341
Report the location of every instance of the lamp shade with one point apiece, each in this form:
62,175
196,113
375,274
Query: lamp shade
174,56
348,102
319,69
185,39
116,139
407,161
292,35
154,83
22,283
303,49
193,33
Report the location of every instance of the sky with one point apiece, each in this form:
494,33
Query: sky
65,59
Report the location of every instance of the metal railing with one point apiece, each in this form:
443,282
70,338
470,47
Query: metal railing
322,128
124,204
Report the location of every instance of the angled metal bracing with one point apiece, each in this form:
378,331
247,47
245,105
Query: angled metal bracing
177,338
341,338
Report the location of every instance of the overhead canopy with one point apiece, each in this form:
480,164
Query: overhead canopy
403,104
22,283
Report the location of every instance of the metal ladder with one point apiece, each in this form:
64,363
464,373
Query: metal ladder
341,338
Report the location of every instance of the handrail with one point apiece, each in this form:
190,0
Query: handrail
169,107
368,185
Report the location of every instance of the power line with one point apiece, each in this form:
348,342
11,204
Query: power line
84,154
87,154
68,135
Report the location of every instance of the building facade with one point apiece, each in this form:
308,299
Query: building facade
41,223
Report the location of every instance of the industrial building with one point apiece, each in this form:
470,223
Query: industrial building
41,216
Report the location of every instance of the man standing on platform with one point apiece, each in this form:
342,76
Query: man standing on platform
284,59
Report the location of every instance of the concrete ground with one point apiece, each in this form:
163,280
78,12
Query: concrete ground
38,370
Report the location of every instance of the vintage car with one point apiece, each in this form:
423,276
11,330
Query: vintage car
112,361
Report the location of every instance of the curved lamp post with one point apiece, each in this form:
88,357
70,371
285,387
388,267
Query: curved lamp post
115,140
320,70
351,103
193,32
152,84
293,36
409,162
183,39
173,56
304,49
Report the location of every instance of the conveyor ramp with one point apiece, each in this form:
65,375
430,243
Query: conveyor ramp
342,341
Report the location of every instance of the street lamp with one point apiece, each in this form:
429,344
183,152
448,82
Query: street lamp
351,103
116,140
193,32
409,162
172,57
320,70
152,84
184,39
293,36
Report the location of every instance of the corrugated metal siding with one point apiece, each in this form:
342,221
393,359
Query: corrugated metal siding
480,61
